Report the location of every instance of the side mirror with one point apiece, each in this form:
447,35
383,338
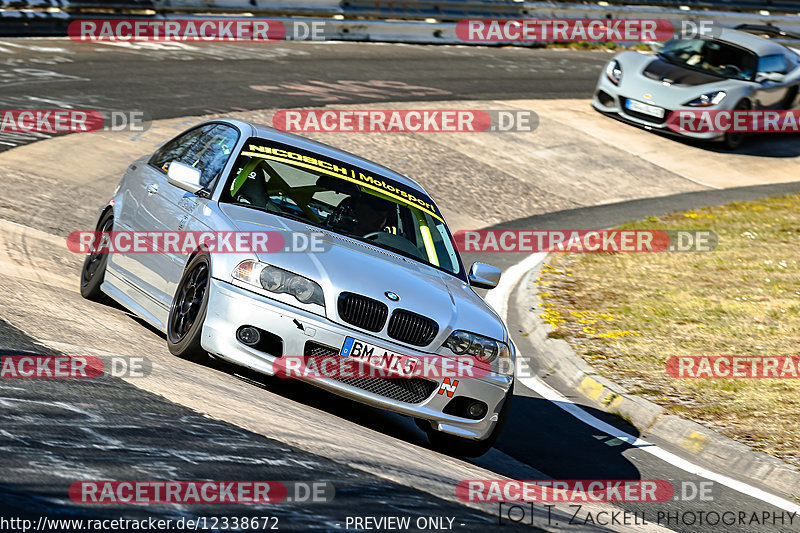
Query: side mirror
777,77
484,276
184,177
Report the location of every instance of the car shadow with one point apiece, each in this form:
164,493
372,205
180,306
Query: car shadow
113,304
538,433
541,434
386,422
777,145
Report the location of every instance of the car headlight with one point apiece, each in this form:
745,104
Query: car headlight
614,71
707,100
466,343
279,281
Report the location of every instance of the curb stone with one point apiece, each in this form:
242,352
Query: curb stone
556,357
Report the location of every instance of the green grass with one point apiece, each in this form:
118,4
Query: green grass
626,314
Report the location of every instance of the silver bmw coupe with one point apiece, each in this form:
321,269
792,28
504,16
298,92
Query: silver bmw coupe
386,279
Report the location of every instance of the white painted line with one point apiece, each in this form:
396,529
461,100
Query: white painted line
498,299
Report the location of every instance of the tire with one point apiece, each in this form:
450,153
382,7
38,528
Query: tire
94,266
461,447
734,140
188,310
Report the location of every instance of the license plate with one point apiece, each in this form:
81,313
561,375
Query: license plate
647,109
377,357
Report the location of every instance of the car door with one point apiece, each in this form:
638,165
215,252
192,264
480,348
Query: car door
132,190
776,94
141,184
136,268
170,208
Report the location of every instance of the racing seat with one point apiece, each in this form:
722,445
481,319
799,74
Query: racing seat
254,191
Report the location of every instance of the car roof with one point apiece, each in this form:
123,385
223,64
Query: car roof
304,143
754,43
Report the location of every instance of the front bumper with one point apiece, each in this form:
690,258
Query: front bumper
608,99
230,307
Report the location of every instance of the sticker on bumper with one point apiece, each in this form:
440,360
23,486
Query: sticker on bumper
448,387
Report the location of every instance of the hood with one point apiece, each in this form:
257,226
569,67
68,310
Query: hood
349,265
646,78
664,71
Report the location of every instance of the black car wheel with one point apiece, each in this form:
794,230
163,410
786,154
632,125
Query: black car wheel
188,311
94,266
734,140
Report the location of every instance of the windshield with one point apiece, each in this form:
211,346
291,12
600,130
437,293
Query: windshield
293,183
712,57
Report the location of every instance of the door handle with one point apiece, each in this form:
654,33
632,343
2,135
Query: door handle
152,189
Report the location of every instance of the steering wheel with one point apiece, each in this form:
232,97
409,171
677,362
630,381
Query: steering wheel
736,70
373,235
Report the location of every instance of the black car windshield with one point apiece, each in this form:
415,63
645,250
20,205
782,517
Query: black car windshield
712,57
342,198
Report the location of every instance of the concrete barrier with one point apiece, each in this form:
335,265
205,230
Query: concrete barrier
434,29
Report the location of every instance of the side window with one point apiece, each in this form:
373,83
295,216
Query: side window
176,147
206,148
774,63
211,152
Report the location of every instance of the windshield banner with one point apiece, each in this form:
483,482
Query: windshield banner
290,155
